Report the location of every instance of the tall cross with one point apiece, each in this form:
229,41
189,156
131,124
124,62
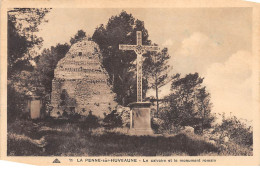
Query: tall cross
139,50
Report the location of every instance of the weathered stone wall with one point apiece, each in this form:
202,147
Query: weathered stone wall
81,79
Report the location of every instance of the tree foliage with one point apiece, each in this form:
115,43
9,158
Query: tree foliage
17,47
157,70
236,130
189,103
47,62
22,25
79,36
121,29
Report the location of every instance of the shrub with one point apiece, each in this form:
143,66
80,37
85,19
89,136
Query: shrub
91,121
124,113
155,125
113,120
65,113
236,130
74,117
16,105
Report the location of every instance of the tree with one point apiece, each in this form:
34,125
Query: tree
120,65
189,103
17,47
203,105
22,25
79,36
157,70
47,62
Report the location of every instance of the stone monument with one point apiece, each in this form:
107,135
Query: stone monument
80,83
140,118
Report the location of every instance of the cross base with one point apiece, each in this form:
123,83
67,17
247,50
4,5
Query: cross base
140,132
140,118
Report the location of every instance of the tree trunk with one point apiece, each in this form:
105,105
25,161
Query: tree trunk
157,97
203,117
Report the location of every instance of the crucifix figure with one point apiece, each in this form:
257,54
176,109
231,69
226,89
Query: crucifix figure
139,50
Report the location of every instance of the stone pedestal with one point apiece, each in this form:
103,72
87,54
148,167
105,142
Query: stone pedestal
35,107
140,122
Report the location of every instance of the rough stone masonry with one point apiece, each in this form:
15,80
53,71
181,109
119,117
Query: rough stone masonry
80,82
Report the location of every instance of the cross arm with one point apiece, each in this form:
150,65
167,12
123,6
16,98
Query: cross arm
127,47
150,48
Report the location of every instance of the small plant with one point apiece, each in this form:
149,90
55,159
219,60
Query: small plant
113,120
65,114
155,125
74,117
91,121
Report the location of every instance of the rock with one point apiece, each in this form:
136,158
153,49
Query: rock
207,136
39,143
124,112
158,121
210,130
188,129
119,109
226,139
212,142
215,136
168,135
223,146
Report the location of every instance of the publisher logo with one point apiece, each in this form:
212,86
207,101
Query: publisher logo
56,161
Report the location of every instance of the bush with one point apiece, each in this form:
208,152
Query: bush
155,125
74,117
15,105
113,120
236,130
90,121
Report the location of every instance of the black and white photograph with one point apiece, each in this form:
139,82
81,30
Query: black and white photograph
131,82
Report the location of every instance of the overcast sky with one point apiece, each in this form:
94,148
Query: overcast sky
215,42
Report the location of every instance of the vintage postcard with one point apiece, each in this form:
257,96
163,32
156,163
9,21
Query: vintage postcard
135,82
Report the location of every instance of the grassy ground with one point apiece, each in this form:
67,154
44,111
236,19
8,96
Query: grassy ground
61,138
